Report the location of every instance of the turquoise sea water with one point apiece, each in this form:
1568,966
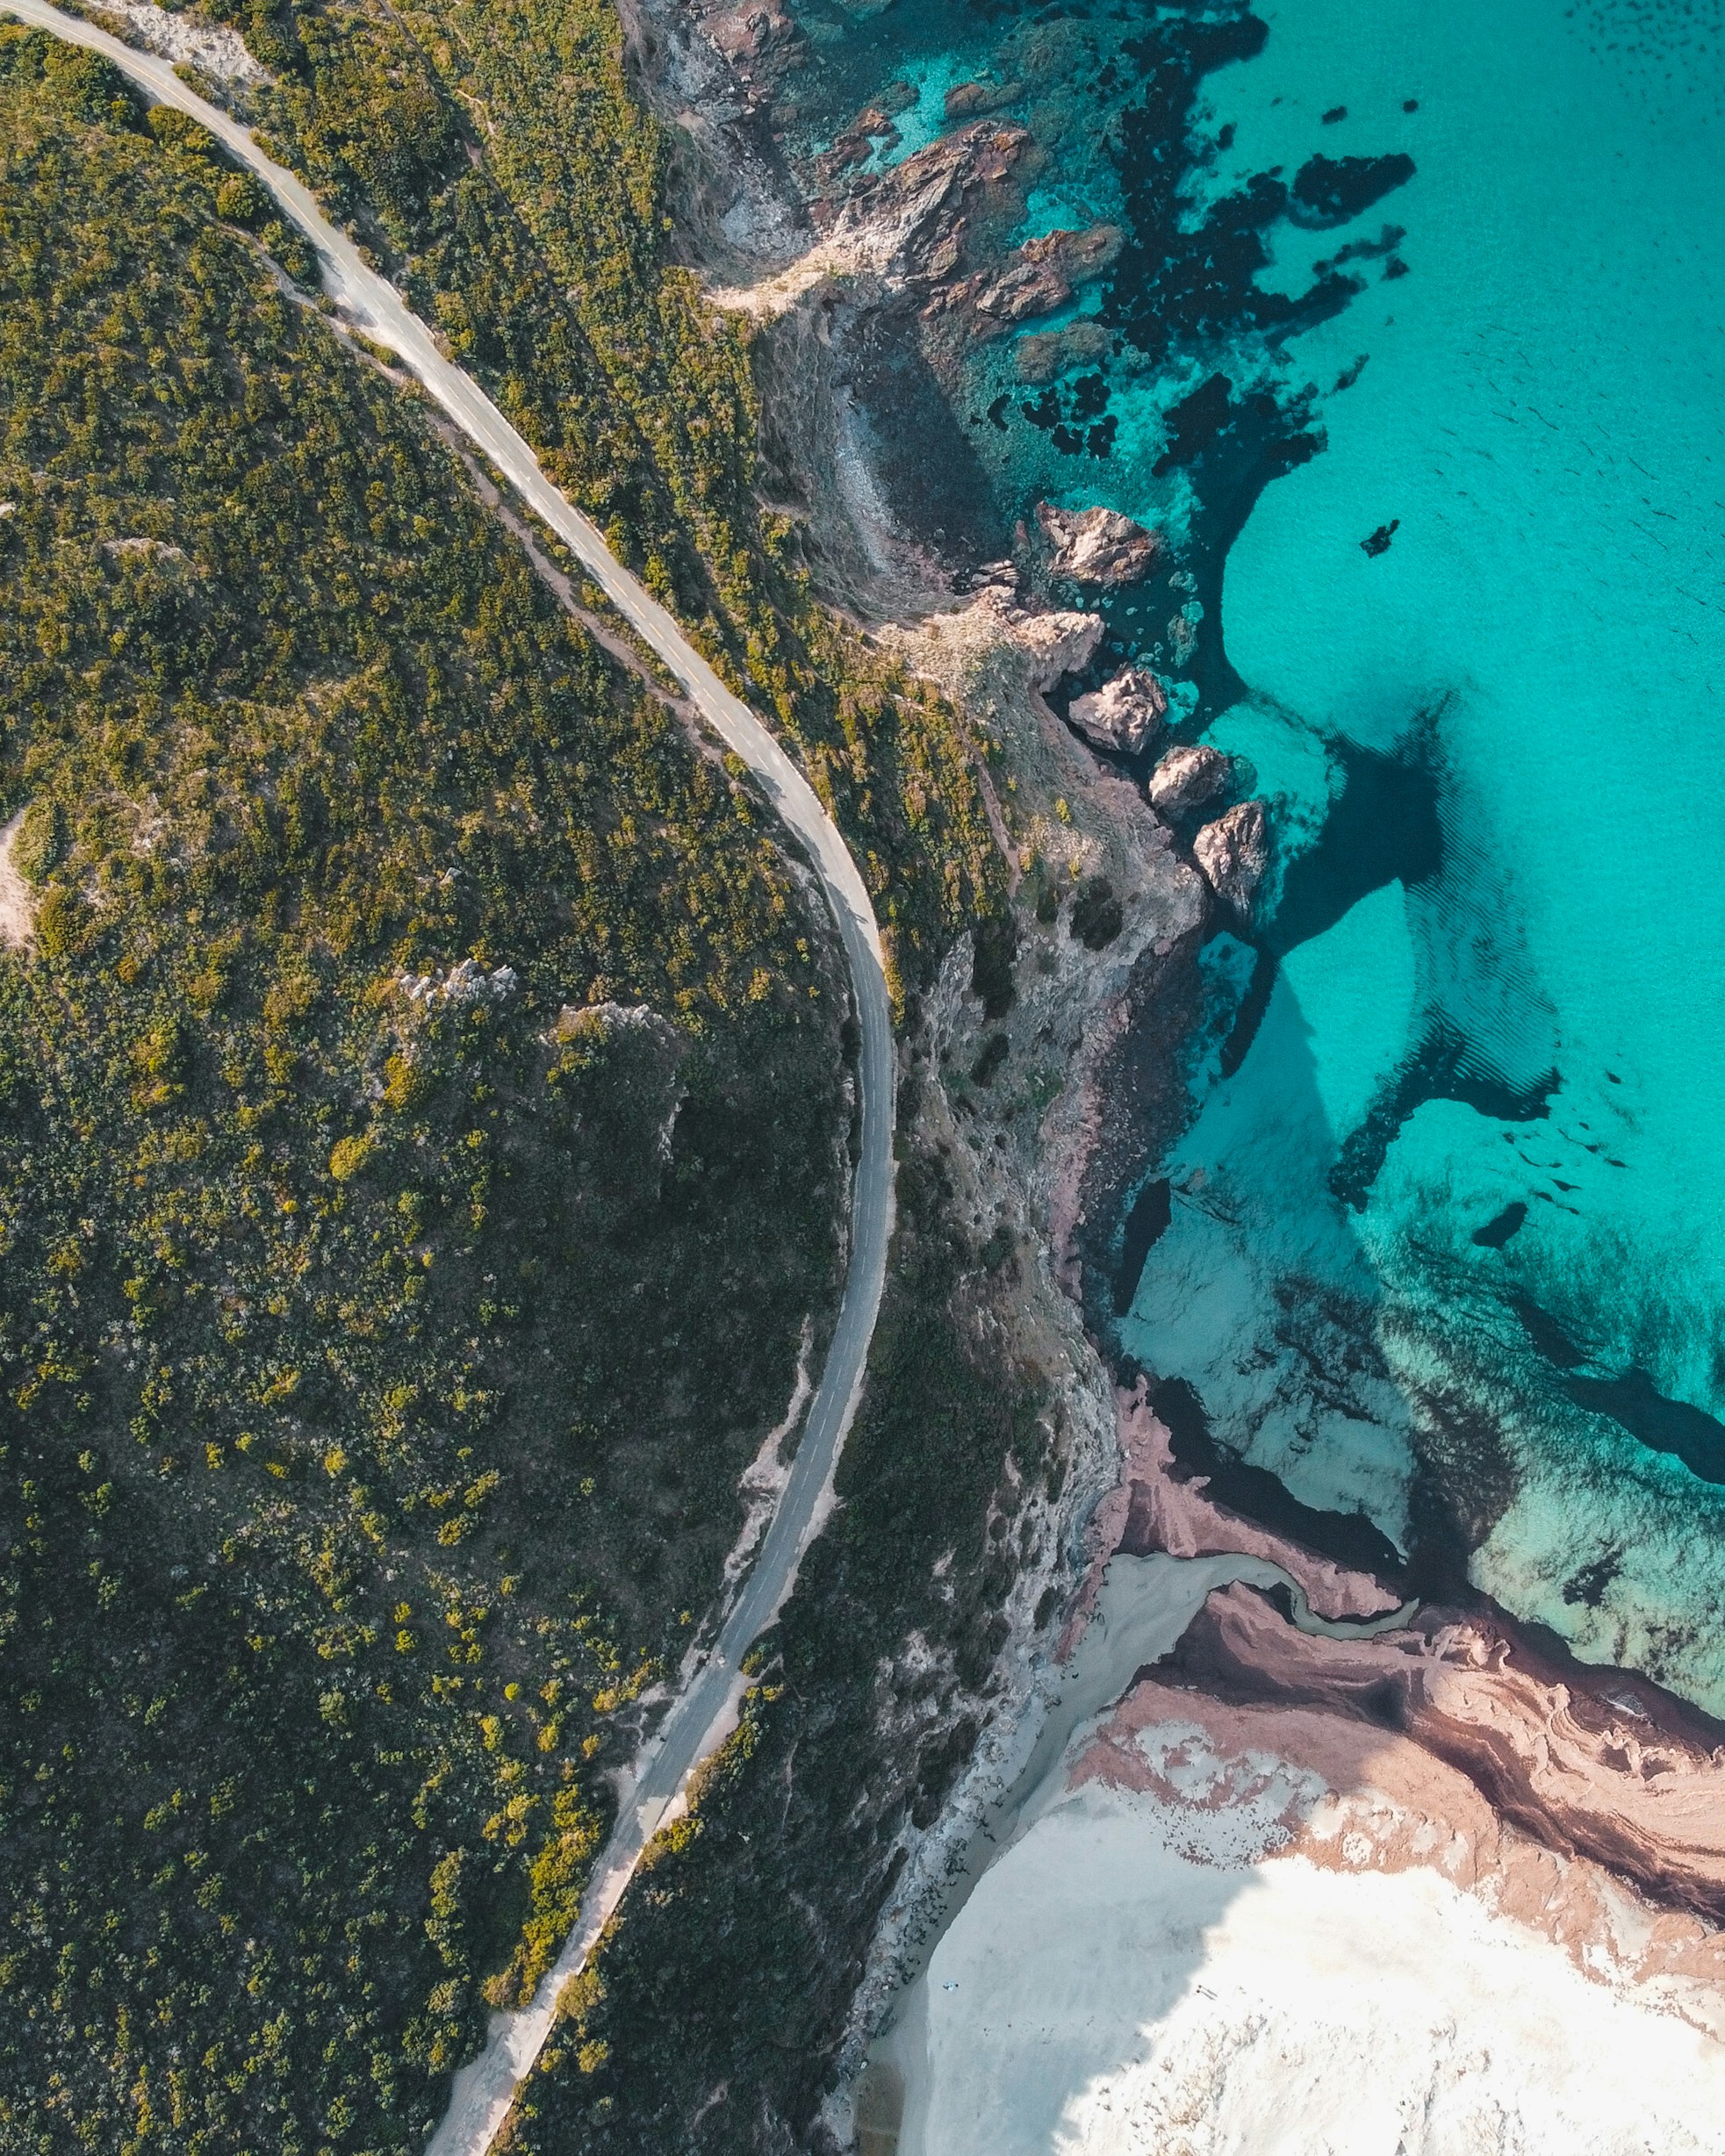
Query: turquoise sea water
1448,1240
1543,410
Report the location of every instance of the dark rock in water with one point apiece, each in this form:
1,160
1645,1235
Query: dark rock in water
1335,113
1096,546
1234,853
1379,541
1186,778
1330,190
1123,714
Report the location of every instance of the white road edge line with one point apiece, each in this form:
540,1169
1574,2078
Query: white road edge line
485,2089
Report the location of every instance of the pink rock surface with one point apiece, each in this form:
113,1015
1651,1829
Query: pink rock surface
1596,1763
1149,1509
1448,1745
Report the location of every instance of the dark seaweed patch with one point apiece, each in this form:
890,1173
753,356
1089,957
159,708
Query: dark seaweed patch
1549,1338
1631,1400
1444,1066
1588,1587
1381,828
1146,1224
1661,1424
1333,190
1498,1231
1250,1016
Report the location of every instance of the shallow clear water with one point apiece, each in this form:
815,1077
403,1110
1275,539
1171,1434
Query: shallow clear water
1541,410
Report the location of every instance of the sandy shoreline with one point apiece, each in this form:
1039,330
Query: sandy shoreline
1207,1927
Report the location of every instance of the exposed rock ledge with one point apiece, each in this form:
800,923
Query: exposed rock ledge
1594,1764
1054,642
1148,1510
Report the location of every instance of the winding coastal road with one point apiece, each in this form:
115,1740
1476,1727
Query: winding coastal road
701,1714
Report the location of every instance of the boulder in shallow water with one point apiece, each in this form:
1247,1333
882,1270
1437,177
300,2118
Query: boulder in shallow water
1096,546
971,100
1123,714
1234,853
1186,778
1045,353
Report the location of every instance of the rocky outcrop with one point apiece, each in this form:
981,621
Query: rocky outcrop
1124,715
1153,1507
972,100
1043,274
1187,778
1096,546
758,39
1595,1764
1056,643
1234,853
909,223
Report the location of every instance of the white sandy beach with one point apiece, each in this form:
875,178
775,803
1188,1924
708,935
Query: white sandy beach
1276,1932
1101,1993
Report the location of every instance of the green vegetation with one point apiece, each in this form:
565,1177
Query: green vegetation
1097,915
709,2022
491,152
420,1138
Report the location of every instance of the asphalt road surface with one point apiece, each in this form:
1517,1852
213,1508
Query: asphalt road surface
702,1714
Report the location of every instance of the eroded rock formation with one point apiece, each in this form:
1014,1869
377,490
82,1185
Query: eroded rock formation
1187,778
1234,853
1095,546
1056,643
